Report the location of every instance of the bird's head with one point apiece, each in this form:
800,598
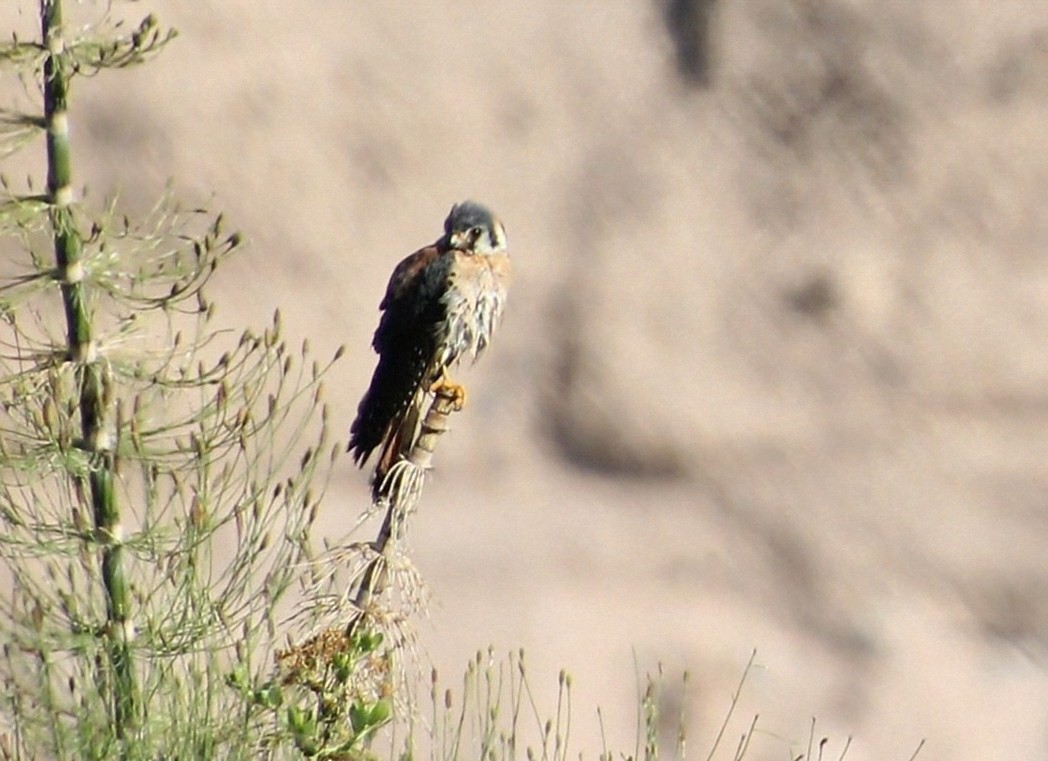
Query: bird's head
473,228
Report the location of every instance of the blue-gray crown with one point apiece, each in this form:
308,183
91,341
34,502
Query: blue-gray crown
468,214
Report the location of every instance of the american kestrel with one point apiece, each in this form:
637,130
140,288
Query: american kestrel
442,302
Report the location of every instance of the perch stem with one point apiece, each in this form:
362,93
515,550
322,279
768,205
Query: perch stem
400,492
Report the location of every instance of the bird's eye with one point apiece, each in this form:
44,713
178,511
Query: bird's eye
476,232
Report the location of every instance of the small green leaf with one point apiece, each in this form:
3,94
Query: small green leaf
237,678
380,712
271,695
358,717
343,664
304,730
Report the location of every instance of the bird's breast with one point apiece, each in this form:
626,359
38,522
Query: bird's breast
473,301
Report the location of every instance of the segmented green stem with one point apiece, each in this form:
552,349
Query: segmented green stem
98,438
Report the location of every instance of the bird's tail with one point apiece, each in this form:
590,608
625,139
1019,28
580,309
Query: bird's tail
398,443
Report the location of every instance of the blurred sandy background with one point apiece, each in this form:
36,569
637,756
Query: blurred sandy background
774,373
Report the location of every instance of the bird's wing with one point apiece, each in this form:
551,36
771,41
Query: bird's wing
406,344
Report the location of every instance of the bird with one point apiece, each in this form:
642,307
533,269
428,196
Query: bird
442,303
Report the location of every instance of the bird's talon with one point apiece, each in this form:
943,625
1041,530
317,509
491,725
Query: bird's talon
457,394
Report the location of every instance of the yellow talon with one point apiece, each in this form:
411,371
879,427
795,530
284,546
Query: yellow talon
444,385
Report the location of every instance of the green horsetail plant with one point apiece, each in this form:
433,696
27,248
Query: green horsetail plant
158,476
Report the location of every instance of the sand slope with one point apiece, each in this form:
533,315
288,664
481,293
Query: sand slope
775,371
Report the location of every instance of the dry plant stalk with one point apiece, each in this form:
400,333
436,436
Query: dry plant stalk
399,494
